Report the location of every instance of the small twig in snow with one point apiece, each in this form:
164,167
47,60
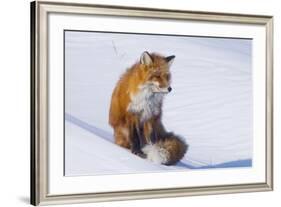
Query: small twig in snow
114,47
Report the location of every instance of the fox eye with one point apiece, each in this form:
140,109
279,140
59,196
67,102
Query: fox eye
168,76
156,74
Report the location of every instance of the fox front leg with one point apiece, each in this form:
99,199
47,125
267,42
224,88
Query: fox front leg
137,141
150,132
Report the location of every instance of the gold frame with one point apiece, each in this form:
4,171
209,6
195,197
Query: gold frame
39,100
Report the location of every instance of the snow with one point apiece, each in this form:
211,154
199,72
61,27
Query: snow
100,156
210,104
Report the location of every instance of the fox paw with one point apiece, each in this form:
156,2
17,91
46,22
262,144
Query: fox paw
139,153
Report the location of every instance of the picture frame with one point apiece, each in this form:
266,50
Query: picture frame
43,175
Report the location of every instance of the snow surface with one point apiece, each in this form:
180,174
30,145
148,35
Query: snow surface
210,105
100,156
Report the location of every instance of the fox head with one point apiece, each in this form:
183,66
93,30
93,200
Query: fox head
156,71
152,77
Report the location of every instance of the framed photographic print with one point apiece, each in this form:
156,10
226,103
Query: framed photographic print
134,103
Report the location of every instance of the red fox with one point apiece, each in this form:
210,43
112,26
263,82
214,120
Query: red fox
136,110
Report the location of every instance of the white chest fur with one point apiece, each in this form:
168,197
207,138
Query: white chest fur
146,103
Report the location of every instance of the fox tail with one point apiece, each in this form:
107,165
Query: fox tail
166,151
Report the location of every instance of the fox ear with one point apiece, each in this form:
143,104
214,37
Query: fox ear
145,58
170,59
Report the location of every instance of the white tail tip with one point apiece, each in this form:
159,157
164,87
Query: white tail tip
156,154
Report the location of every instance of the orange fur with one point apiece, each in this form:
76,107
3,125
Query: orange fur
123,121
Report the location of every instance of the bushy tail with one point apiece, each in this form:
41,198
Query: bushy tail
167,151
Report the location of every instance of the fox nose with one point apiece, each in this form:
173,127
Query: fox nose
169,88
